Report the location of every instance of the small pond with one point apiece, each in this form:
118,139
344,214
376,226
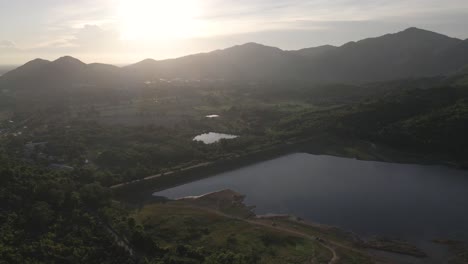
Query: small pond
212,137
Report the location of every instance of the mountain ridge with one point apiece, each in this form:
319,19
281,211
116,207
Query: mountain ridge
409,53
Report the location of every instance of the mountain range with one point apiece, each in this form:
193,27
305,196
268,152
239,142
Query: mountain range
411,53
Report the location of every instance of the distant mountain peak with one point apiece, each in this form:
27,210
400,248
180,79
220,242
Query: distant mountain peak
256,45
413,37
38,60
415,29
36,63
418,32
68,60
149,60
66,57
252,44
252,47
144,63
27,68
328,46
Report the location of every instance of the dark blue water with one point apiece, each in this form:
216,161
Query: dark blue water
413,202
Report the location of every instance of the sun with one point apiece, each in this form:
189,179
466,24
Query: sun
158,19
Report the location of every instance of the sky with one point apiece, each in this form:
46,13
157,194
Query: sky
127,31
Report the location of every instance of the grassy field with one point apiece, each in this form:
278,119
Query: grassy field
175,223
220,222
344,243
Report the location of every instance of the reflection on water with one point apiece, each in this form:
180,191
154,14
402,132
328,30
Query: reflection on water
209,138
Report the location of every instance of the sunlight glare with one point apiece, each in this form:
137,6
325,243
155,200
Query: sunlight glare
159,19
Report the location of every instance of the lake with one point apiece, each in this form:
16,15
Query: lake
413,202
212,137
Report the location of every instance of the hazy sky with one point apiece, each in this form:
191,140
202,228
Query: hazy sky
125,31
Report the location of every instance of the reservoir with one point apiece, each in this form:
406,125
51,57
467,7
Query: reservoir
412,202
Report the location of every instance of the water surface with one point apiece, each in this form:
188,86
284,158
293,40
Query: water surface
370,198
210,138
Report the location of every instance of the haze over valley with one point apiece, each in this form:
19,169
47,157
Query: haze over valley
179,144
410,53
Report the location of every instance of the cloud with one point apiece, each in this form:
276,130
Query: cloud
7,44
95,37
93,29
85,38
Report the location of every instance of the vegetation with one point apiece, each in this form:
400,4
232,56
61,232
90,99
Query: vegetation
430,121
100,137
224,240
57,217
61,148
51,217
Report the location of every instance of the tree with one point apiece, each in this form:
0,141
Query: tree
41,214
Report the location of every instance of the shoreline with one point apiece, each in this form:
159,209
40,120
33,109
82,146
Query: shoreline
141,190
230,204
139,193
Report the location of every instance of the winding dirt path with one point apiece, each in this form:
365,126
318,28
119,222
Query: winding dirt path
333,260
